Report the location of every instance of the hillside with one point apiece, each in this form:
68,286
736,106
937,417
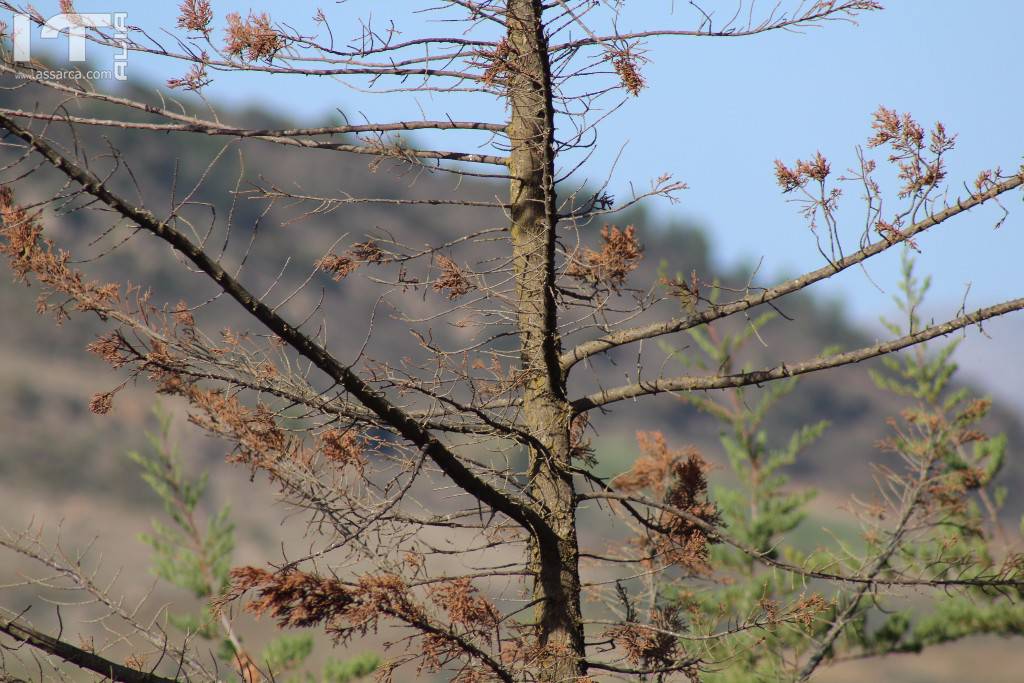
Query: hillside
59,462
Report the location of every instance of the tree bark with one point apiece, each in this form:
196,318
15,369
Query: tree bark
546,410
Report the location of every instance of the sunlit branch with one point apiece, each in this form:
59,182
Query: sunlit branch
405,425
819,12
628,336
197,125
641,671
689,383
235,131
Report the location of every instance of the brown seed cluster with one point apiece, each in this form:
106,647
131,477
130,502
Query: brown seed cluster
918,157
627,66
802,172
253,39
195,16
197,78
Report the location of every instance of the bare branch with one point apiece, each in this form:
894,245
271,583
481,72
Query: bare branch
781,371
628,336
867,579
79,657
373,400
818,12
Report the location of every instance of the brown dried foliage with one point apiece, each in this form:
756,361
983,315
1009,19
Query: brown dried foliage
183,316
688,293
654,645
295,599
113,348
102,403
452,280
678,478
807,609
987,179
465,606
259,441
382,595
619,256
298,599
367,252
686,542
27,252
495,63
652,469
339,265
344,448
893,234
197,78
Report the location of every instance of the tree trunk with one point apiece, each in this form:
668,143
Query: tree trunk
546,411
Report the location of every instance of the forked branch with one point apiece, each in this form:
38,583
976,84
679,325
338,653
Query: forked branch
394,416
635,334
781,371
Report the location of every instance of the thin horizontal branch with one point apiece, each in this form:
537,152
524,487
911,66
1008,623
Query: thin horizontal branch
460,641
690,383
80,658
387,46
398,68
818,13
714,532
628,336
374,72
331,405
408,427
330,203
197,125
393,47
719,635
235,131
680,665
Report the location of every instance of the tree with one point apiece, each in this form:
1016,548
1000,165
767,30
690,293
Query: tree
490,402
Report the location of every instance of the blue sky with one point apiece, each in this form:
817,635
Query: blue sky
717,112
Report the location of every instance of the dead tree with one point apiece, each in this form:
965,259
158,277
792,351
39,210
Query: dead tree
364,445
